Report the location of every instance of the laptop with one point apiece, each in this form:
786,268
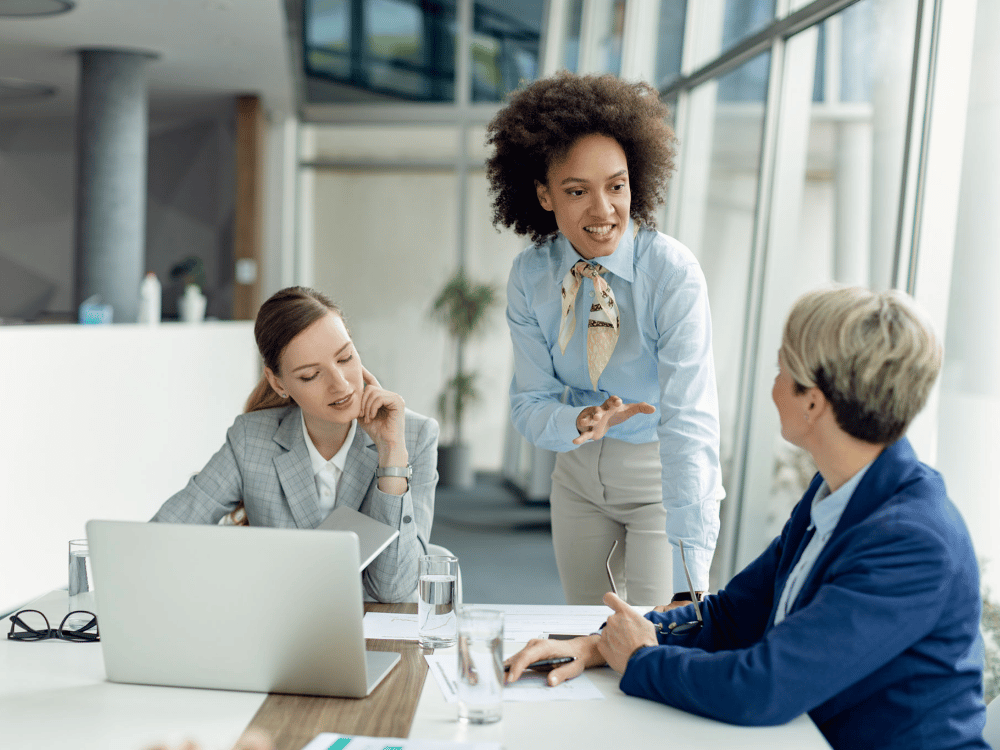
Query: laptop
373,536
233,608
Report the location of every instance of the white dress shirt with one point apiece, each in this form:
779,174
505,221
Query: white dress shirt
328,473
827,508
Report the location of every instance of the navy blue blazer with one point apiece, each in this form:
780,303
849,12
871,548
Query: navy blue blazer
882,644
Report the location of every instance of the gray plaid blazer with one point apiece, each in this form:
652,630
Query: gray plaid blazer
265,463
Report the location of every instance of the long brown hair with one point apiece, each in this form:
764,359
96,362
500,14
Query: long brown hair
283,317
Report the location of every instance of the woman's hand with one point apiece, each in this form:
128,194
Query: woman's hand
593,422
382,417
625,631
583,649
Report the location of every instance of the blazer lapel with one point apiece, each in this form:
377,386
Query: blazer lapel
884,476
359,471
294,471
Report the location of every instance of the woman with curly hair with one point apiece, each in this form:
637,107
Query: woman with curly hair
627,399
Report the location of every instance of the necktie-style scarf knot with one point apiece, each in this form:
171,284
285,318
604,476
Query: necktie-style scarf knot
603,323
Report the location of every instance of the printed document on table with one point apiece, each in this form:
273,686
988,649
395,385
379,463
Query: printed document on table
522,622
332,741
530,688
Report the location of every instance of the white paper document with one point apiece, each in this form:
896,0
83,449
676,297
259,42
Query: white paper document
522,622
332,741
531,688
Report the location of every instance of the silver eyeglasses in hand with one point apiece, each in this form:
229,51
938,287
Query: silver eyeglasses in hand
607,565
691,626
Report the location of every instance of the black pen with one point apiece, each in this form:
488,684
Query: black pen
545,665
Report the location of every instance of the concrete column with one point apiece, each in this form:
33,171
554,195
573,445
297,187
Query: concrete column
112,144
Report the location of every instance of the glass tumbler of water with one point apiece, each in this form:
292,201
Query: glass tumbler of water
480,665
81,582
436,599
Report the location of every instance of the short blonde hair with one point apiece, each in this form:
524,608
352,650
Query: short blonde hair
873,355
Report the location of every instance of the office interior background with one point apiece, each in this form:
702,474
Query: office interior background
847,141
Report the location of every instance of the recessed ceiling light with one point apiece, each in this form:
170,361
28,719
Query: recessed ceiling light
15,90
28,8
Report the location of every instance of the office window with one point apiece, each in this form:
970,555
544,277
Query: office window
717,208
505,46
365,50
828,222
670,41
571,44
328,37
398,48
612,25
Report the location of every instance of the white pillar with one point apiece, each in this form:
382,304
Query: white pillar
968,447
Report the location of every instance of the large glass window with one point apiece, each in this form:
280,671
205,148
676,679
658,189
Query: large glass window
670,41
824,220
403,48
722,24
571,38
505,46
716,217
406,48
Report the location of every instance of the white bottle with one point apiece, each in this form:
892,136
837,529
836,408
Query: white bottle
150,300
192,304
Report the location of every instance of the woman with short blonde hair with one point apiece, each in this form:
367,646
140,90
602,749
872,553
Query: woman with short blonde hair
865,611
872,354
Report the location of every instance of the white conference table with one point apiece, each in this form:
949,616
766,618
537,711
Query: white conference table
54,694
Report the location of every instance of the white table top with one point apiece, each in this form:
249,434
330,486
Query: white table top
54,694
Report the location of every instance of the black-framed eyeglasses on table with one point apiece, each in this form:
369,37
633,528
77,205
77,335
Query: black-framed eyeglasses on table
32,625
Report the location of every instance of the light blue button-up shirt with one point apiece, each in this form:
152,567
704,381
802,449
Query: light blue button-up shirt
827,508
663,357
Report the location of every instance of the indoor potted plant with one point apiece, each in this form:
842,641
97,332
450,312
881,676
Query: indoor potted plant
462,307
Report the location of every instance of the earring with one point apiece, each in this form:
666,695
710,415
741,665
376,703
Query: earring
284,395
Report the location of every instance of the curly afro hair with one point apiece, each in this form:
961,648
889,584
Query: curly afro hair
544,119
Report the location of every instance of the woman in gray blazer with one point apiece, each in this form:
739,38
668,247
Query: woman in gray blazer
318,432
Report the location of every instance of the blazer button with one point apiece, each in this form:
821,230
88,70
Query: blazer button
406,519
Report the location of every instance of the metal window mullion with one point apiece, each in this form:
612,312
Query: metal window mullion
553,36
463,101
358,51
915,148
592,27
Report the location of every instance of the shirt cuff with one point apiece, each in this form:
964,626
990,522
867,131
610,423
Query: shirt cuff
565,422
698,561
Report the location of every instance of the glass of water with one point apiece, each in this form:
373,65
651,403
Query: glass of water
480,665
436,599
81,582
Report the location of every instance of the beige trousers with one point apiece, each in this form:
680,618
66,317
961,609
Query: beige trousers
604,491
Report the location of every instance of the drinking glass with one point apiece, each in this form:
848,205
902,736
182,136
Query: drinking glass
480,665
81,583
437,588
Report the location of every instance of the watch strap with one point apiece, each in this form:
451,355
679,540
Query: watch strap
405,472
685,596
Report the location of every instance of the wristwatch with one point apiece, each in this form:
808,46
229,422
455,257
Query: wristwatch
395,471
685,596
